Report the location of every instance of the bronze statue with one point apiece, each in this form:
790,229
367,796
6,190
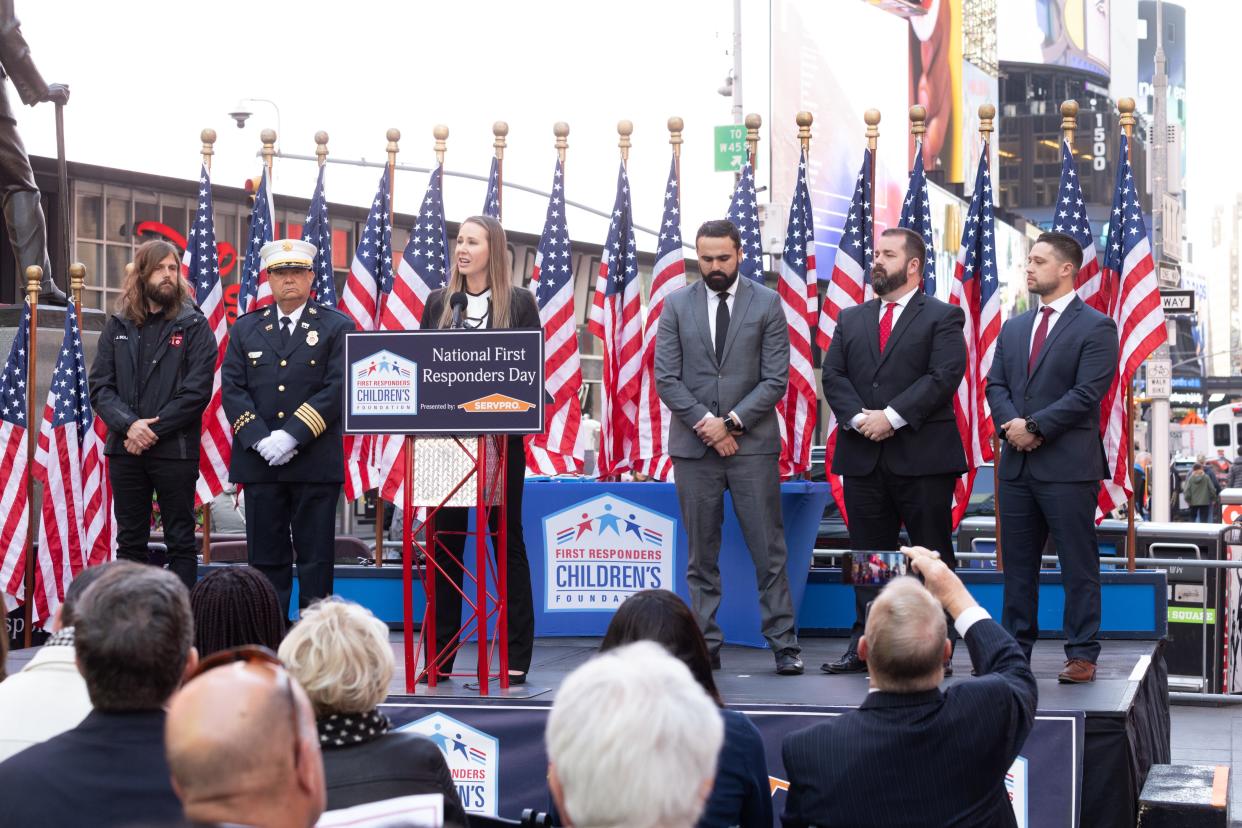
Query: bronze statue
19,195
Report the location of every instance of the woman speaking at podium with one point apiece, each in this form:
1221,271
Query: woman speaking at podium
480,272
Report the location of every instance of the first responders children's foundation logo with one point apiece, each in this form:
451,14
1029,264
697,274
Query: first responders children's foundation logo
383,383
473,759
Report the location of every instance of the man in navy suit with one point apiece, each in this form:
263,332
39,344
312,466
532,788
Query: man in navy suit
889,377
872,766
1052,367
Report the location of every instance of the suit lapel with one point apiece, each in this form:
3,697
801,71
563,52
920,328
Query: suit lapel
267,325
871,329
1067,317
912,309
698,310
741,304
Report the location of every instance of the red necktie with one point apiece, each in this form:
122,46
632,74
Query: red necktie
886,324
1041,333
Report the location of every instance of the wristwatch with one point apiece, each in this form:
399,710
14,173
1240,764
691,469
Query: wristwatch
1032,426
734,424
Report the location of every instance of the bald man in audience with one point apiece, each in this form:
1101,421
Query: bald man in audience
912,754
243,748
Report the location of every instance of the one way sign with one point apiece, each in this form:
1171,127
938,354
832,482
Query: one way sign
1177,301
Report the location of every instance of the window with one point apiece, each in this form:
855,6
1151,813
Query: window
1220,434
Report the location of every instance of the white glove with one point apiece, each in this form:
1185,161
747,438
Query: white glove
265,449
284,458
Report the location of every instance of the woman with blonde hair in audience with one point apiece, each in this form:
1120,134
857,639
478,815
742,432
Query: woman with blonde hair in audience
339,653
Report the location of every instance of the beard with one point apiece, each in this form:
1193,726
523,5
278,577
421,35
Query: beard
884,283
718,280
163,294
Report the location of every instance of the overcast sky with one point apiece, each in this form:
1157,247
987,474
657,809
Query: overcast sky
147,75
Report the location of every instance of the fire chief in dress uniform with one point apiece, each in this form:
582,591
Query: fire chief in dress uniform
282,388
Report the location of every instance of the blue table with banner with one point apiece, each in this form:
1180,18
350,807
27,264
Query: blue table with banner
592,544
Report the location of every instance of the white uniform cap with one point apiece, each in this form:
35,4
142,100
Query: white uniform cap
287,253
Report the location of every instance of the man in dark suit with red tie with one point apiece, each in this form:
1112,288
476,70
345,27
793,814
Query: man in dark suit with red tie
889,376
1051,368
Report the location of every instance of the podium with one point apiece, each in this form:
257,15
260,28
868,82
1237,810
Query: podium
451,398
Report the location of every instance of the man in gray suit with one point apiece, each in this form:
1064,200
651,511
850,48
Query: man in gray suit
721,365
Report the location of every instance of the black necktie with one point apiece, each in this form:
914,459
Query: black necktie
286,329
722,323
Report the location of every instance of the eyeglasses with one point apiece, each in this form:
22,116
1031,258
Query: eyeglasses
255,655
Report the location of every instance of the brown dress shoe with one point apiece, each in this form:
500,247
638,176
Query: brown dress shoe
1077,671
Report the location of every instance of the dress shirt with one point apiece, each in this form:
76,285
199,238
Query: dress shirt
1058,307
899,305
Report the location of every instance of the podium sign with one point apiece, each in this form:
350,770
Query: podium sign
444,382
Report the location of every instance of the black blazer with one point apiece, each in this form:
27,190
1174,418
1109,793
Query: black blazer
298,387
918,374
523,311
395,764
110,770
1063,392
919,759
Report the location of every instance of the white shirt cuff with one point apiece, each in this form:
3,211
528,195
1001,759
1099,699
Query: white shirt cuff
893,417
857,420
739,419
968,618
706,416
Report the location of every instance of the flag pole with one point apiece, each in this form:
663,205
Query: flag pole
1126,108
1069,121
872,119
675,126
393,135
321,148
986,113
34,278
918,127
208,137
753,122
268,137
499,130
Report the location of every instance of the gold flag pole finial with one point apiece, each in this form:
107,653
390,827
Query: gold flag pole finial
918,122
1126,107
753,122
561,130
77,281
500,129
987,113
208,137
321,147
268,137
804,121
625,129
872,119
675,126
440,132
1069,121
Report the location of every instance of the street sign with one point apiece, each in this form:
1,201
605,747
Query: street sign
1159,378
730,148
1177,301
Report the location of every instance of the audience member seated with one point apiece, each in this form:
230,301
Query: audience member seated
632,740
242,745
48,696
233,606
339,653
135,642
741,794
911,754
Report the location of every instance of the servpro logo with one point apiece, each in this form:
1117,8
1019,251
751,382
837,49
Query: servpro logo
495,403
473,759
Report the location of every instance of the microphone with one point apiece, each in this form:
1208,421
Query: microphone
458,303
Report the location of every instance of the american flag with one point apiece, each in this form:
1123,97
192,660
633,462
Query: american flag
318,231
668,275
1129,282
849,285
255,292
744,212
370,273
1071,219
556,451
491,202
916,216
77,526
616,318
796,411
13,391
974,289
423,268
201,268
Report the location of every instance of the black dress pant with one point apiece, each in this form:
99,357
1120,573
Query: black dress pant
134,478
521,603
288,519
1031,510
879,503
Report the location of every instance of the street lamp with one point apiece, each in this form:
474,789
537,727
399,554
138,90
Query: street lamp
241,112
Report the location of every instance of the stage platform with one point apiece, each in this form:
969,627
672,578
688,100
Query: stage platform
1092,743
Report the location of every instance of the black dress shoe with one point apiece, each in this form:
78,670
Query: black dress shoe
422,678
847,663
948,668
788,663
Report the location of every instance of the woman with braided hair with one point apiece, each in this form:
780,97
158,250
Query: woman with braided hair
233,606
